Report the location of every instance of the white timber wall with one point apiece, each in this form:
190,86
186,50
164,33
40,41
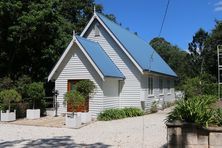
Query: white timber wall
76,66
166,96
111,95
130,92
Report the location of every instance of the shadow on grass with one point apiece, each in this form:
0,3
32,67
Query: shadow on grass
61,141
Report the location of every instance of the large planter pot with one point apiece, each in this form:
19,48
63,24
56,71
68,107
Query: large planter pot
86,117
50,112
33,113
73,120
8,116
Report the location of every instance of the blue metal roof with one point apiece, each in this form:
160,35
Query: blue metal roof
145,56
100,58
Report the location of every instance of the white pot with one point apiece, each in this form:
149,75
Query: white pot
50,112
86,117
33,113
8,116
73,121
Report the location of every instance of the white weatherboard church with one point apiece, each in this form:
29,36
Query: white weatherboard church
127,71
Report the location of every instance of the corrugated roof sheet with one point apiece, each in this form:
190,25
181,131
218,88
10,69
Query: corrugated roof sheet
140,50
100,58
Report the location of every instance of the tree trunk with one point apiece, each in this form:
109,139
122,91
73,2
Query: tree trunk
9,106
33,103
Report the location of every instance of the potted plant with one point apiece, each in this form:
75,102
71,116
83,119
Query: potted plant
74,98
36,92
7,96
85,87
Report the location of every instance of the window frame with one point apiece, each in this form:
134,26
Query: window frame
97,31
150,86
161,90
168,86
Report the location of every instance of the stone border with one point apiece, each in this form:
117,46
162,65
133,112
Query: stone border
189,135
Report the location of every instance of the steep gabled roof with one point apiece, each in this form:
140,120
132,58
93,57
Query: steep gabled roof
141,52
96,56
100,58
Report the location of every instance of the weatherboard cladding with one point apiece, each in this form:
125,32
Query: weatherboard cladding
140,51
78,67
100,58
130,93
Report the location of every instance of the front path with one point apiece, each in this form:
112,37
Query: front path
119,133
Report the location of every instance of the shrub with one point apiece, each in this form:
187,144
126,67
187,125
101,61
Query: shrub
218,117
6,83
85,87
154,108
75,99
192,87
7,96
21,85
199,86
21,108
196,110
114,114
35,91
132,111
169,104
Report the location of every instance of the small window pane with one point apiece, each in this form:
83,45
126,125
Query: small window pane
168,86
150,85
161,85
96,31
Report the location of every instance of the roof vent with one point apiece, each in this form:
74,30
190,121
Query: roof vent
96,29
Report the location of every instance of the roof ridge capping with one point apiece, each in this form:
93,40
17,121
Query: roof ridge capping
133,33
138,48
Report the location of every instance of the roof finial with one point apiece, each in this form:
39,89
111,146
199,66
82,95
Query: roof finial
73,33
94,9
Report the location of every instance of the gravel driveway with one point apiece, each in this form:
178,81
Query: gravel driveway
119,133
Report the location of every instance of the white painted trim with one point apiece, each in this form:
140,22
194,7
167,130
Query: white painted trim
88,25
60,60
151,96
89,58
116,78
114,38
65,53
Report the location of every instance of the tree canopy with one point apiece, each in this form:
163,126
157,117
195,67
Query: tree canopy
199,60
33,34
172,54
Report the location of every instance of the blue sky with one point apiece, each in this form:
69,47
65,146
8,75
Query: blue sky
183,19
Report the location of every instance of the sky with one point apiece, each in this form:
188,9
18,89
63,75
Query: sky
184,17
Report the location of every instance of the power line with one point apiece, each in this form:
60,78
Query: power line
164,17
151,59
161,28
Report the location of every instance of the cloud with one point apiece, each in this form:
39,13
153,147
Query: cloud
218,6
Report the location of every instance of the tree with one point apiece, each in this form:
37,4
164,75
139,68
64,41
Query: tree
175,57
214,39
33,34
7,96
35,91
197,51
